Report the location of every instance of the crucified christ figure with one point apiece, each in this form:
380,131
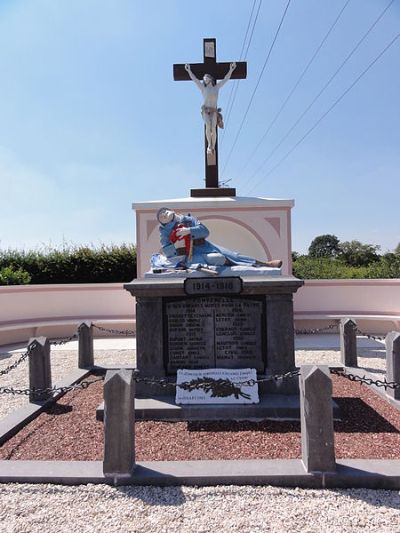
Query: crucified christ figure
209,111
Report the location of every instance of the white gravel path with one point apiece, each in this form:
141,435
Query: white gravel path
98,508
95,508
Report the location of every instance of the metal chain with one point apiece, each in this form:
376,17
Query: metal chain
115,331
316,330
218,388
366,381
374,337
49,390
16,363
64,341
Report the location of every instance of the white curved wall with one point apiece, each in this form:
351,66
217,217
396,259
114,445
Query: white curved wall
56,310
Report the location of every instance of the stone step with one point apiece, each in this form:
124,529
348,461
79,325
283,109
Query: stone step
273,406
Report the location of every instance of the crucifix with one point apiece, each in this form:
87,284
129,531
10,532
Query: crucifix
209,72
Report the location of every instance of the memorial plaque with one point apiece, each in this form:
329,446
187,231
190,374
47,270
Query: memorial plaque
189,388
214,332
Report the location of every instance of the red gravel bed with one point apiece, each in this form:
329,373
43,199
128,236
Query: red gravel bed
370,428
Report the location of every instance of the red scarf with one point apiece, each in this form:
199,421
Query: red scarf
186,239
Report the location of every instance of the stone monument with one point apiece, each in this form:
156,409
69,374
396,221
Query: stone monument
200,305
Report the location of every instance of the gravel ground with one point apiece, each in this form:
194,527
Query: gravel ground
92,508
98,508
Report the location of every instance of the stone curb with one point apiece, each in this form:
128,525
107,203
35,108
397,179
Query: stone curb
350,473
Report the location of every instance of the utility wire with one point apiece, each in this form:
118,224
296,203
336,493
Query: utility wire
293,89
240,57
320,92
335,103
235,86
257,84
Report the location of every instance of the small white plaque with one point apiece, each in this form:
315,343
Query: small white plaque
190,394
209,49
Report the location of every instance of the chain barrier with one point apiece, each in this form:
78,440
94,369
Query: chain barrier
16,363
125,332
316,330
55,342
217,387
374,337
63,341
26,354
49,390
366,381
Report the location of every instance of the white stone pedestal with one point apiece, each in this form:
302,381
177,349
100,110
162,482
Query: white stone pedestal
259,227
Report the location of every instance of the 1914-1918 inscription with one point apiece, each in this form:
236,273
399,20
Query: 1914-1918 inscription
214,332
226,285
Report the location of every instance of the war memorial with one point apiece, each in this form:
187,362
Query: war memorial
202,305
214,339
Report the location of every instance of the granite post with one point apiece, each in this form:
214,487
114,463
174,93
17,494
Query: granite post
393,361
39,368
316,417
149,340
348,342
280,338
85,345
119,425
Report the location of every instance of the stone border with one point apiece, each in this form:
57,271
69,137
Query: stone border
350,473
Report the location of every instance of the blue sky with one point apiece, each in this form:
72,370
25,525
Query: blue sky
91,119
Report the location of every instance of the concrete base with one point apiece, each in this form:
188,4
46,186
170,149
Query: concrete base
350,473
274,406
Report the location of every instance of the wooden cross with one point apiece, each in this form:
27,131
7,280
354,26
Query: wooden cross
218,71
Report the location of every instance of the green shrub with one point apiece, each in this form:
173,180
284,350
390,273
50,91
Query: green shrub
387,267
306,267
9,276
74,264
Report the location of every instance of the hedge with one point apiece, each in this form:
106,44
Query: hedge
107,264
306,267
70,265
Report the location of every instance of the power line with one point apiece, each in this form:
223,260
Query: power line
320,92
335,103
240,57
294,88
235,86
257,84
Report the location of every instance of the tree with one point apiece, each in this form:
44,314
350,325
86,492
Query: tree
355,253
324,246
